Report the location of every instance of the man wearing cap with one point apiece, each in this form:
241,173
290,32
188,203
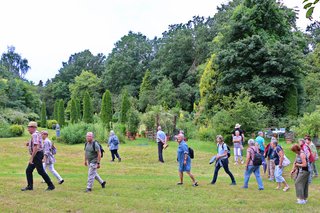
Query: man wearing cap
36,156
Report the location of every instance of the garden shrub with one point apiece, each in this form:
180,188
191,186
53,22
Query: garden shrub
76,133
51,124
206,134
119,128
16,130
4,128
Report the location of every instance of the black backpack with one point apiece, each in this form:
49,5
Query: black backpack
94,147
191,152
257,158
227,148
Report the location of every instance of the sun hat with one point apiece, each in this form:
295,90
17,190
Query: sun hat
33,124
44,132
237,126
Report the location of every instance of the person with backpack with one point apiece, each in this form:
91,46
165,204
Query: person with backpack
222,160
314,154
92,160
301,181
253,163
113,144
268,154
49,159
184,160
36,155
278,156
309,156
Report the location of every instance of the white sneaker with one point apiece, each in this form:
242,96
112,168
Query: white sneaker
286,188
301,202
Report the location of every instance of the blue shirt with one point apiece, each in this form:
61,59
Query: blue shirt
113,142
221,149
260,141
161,135
182,150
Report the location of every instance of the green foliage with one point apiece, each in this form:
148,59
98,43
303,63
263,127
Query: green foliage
146,94
76,133
87,109
86,82
73,112
309,124
119,129
14,116
4,128
51,123
309,5
127,63
16,130
56,110
149,120
133,121
32,116
206,134
43,122
61,119
106,109
125,106
291,102
165,93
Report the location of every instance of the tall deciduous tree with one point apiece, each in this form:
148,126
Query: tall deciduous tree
127,63
43,115
14,62
87,109
106,109
61,118
125,106
146,94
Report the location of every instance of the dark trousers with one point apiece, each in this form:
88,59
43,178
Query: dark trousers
160,148
114,153
225,164
37,164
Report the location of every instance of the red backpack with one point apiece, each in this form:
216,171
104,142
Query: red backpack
311,158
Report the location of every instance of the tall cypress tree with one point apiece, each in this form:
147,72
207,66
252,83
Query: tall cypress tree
73,112
43,115
125,106
78,108
106,108
55,110
61,113
87,109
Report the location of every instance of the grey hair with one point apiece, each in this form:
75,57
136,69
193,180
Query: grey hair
90,133
260,132
274,140
237,131
111,132
251,142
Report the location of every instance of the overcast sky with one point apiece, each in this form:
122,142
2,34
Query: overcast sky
48,32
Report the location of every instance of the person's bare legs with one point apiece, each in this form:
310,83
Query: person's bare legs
181,176
192,177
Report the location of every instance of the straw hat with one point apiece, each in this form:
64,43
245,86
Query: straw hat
237,126
33,124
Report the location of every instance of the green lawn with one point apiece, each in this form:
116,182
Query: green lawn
140,184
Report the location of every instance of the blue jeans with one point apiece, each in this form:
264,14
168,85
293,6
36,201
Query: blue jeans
256,171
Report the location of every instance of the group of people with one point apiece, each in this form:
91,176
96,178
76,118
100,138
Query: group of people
42,152
272,157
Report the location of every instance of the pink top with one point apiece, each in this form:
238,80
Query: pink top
35,139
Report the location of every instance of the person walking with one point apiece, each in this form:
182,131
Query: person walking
270,161
278,156
113,144
250,167
36,156
222,161
237,146
49,159
184,160
302,180
57,130
162,141
314,153
92,160
262,146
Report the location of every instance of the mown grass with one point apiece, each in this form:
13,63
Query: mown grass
140,184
